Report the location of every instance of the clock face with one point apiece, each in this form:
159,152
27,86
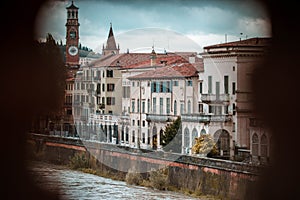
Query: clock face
73,50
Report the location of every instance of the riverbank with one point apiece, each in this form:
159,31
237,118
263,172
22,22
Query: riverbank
51,175
187,174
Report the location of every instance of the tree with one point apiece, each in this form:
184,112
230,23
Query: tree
206,145
171,139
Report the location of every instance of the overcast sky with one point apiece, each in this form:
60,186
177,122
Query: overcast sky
175,25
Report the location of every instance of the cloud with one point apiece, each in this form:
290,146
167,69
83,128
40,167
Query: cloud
197,23
254,26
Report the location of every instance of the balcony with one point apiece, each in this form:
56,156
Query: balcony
215,98
160,118
205,118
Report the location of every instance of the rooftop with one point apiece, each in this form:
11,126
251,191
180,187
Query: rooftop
251,42
178,70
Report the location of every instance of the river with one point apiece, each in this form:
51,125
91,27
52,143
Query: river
79,185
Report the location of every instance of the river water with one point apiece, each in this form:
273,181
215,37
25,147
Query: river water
79,185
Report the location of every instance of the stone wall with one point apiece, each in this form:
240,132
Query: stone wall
223,178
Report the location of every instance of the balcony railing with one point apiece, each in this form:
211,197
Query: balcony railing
160,118
205,118
214,97
88,78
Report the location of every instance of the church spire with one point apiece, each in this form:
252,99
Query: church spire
111,47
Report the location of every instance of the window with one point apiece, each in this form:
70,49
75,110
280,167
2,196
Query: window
255,145
211,109
189,83
181,108
168,86
144,123
161,105
154,105
233,87
200,108
110,100
138,105
143,106
133,122
148,102
132,83
143,137
138,84
98,88
103,100
209,84
168,105
126,91
138,122
82,86
189,107
103,87
218,110
132,105
226,81
200,88
175,83
161,88
110,87
157,86
175,107
109,73
153,86
133,137
233,68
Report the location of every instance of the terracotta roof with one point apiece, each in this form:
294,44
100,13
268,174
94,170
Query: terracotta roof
251,42
159,61
179,70
120,60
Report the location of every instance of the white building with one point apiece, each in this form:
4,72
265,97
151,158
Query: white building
158,97
225,90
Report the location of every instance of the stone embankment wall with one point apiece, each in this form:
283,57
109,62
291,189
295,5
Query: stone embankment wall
222,178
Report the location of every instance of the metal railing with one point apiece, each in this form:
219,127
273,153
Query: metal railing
205,118
214,97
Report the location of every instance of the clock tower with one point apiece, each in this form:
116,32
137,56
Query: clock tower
72,37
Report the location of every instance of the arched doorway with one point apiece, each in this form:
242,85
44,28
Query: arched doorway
222,139
186,140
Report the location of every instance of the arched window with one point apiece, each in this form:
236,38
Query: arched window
202,132
175,107
194,135
189,107
264,146
186,137
255,145
222,139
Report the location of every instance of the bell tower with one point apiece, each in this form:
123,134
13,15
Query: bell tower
72,37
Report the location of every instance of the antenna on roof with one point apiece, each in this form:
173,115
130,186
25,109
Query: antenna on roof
241,36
